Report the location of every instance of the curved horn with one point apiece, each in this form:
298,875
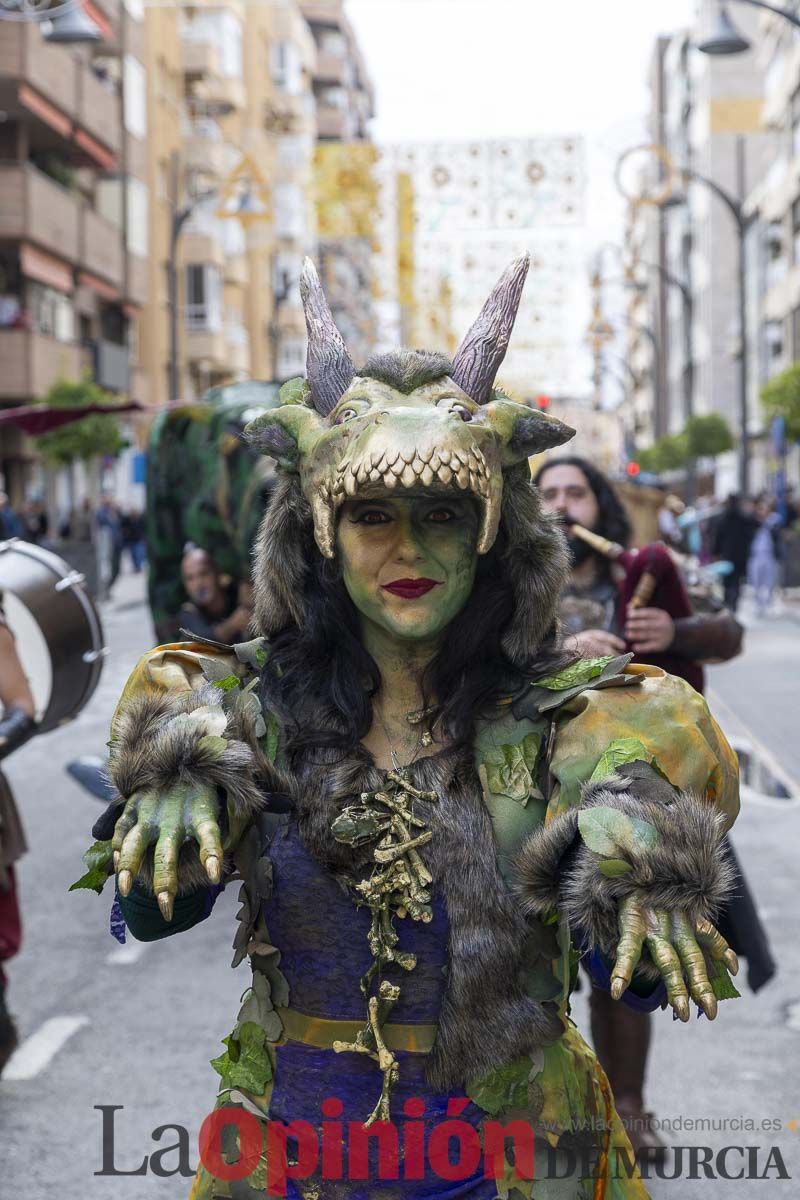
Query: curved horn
329,368
479,356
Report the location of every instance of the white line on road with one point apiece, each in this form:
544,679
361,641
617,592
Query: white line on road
41,1047
730,719
126,954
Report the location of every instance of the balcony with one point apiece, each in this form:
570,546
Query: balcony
330,68
200,58
332,122
219,94
205,148
99,111
205,337
202,245
32,362
25,58
34,208
101,249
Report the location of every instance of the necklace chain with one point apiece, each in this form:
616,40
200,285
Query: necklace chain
421,740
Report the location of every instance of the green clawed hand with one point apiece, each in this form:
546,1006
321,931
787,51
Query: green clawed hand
167,819
676,947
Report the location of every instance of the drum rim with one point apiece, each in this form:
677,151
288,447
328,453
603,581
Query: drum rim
59,567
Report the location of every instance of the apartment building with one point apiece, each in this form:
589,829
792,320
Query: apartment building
344,173
706,113
230,159
773,236
73,214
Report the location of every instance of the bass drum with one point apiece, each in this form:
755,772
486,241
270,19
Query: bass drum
56,627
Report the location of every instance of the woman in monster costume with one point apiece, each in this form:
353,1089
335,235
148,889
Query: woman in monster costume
431,813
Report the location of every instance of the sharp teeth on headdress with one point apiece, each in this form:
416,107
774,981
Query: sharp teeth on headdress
490,519
462,476
409,477
350,483
445,456
434,460
390,457
390,480
362,472
444,474
322,512
375,475
427,475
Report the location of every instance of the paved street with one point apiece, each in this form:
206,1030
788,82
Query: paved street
145,1020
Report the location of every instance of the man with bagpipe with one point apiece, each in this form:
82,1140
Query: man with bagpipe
635,600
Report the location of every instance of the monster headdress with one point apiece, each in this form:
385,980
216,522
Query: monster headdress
408,419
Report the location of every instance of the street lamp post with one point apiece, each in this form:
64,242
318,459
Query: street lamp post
726,38
742,222
178,216
688,352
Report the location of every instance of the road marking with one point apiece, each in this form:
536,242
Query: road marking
126,954
732,722
41,1047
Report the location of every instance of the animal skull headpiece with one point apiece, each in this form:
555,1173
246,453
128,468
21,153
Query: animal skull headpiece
409,419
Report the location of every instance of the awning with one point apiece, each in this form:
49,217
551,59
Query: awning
106,290
45,268
36,419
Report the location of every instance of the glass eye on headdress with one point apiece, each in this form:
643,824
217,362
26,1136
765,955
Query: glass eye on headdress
346,414
462,411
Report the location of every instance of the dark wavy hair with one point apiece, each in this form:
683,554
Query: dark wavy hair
320,679
613,521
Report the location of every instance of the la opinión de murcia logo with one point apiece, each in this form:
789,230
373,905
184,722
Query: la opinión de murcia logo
34,10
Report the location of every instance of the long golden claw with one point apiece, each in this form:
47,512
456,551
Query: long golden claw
166,903
213,869
629,948
124,882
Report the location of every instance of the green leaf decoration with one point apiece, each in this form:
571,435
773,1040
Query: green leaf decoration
245,1063
216,669
294,391
577,673
722,985
604,830
97,859
509,769
272,732
645,835
616,754
252,653
504,1087
614,867
228,684
212,746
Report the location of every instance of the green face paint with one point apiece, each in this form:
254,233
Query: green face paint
409,563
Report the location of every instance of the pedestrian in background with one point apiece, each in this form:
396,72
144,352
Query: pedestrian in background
133,538
109,532
731,543
765,550
10,524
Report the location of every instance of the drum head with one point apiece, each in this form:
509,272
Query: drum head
32,650
56,627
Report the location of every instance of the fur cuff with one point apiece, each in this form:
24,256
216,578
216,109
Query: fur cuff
684,870
163,739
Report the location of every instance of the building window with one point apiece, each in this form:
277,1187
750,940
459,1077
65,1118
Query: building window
772,332
135,97
776,259
222,30
203,298
286,68
51,313
137,197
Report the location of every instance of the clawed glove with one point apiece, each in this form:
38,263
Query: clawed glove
638,872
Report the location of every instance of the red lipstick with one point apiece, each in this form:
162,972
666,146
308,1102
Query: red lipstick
410,589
